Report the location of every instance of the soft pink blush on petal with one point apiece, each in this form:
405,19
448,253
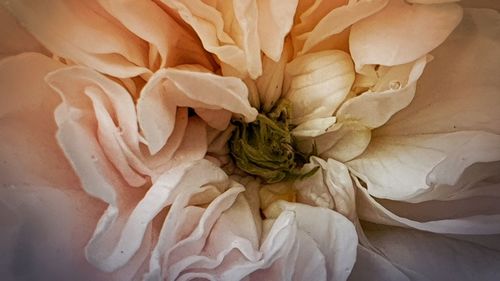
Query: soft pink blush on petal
402,33
29,151
15,39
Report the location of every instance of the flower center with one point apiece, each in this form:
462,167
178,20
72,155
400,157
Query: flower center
265,147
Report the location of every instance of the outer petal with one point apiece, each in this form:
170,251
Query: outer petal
401,32
15,39
83,32
28,149
445,258
434,130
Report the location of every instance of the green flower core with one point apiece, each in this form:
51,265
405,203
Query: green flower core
265,147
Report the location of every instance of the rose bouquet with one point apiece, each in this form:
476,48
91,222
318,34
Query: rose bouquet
250,140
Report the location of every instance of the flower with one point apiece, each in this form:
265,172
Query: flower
122,127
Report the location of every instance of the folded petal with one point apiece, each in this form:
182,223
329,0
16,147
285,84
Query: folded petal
274,23
338,20
402,32
459,88
171,88
83,32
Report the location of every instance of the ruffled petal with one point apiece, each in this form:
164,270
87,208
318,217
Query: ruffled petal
171,88
28,149
338,20
402,32
228,29
169,43
83,32
335,235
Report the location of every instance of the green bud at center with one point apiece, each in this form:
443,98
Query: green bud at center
265,147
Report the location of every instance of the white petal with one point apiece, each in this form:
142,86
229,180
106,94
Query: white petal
402,33
317,83
334,234
374,107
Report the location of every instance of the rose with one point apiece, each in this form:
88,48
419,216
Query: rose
362,149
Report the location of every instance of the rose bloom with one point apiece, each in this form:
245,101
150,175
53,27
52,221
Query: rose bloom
250,140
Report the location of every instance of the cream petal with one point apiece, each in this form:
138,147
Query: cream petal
270,83
174,44
317,83
459,88
338,20
274,23
314,127
170,88
402,33
446,259
15,39
29,152
405,167
470,220
84,33
335,235
391,93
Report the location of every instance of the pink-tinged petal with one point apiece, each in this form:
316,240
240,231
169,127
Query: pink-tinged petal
44,231
160,195
459,88
402,32
15,39
432,1
104,104
308,15
170,43
227,29
29,151
274,23
171,88
488,4
83,32
445,258
338,20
